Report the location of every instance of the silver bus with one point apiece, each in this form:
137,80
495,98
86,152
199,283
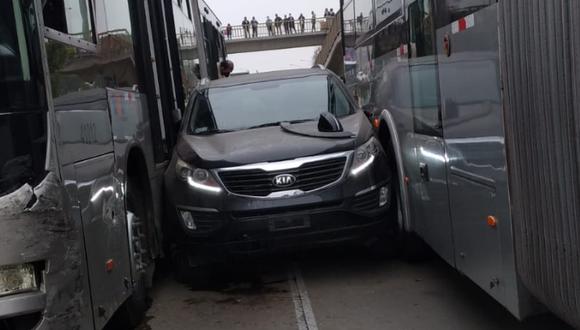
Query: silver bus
91,91
479,102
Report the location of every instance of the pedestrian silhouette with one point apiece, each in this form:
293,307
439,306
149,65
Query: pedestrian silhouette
278,24
286,24
254,27
246,27
292,24
313,20
269,26
229,31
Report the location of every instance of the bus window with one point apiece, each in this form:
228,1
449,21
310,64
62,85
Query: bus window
391,38
449,11
421,28
18,69
72,17
186,44
22,107
425,99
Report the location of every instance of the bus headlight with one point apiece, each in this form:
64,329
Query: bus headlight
17,279
364,156
197,178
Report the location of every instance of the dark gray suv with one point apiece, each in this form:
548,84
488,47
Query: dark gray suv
273,161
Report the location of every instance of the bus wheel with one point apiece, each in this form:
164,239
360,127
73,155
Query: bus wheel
133,310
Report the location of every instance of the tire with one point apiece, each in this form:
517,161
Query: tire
132,312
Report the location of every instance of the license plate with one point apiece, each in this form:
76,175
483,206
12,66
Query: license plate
289,223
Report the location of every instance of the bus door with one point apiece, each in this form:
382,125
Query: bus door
473,130
432,217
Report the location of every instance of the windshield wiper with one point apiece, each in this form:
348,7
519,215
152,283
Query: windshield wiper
265,125
281,122
214,131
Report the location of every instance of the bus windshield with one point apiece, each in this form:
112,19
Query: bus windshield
16,70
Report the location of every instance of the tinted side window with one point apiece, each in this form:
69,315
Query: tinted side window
449,11
423,70
339,103
203,120
421,28
70,16
22,107
391,38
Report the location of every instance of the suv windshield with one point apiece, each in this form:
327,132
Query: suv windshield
267,103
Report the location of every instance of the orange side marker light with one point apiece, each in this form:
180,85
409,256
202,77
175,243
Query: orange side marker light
492,221
110,265
376,123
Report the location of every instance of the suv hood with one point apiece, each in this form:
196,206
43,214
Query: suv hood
268,144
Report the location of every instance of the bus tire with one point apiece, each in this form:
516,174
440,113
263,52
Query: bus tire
131,314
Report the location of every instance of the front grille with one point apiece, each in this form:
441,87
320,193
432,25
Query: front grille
310,176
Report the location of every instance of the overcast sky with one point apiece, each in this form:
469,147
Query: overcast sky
233,12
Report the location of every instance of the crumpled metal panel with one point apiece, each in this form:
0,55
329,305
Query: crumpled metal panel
36,228
540,53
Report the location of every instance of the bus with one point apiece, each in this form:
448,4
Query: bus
478,101
91,93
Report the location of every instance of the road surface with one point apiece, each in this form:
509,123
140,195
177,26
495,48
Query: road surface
335,289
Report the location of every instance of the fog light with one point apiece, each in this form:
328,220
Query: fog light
17,279
188,220
383,196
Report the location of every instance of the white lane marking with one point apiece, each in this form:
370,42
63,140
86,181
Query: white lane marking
302,306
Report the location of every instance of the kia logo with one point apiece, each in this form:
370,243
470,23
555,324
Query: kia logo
284,180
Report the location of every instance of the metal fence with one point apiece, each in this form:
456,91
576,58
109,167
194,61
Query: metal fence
264,30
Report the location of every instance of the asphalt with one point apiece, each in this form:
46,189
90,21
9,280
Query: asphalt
345,288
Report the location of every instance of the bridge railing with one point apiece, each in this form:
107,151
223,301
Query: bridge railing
238,32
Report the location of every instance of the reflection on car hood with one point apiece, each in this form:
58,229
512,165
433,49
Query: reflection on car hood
268,144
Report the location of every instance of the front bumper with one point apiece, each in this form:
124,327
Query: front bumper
346,211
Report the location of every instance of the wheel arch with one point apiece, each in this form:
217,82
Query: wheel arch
138,173
389,138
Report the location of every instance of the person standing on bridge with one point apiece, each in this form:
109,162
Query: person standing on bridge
269,26
313,21
278,24
229,31
331,13
292,24
246,27
326,13
302,21
254,27
286,24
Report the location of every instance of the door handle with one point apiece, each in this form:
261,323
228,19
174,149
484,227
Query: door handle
424,172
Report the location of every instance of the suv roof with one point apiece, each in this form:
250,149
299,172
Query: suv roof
267,76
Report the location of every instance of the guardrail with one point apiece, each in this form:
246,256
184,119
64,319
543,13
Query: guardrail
264,30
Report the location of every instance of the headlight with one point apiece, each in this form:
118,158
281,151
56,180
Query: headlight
364,156
196,177
17,279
